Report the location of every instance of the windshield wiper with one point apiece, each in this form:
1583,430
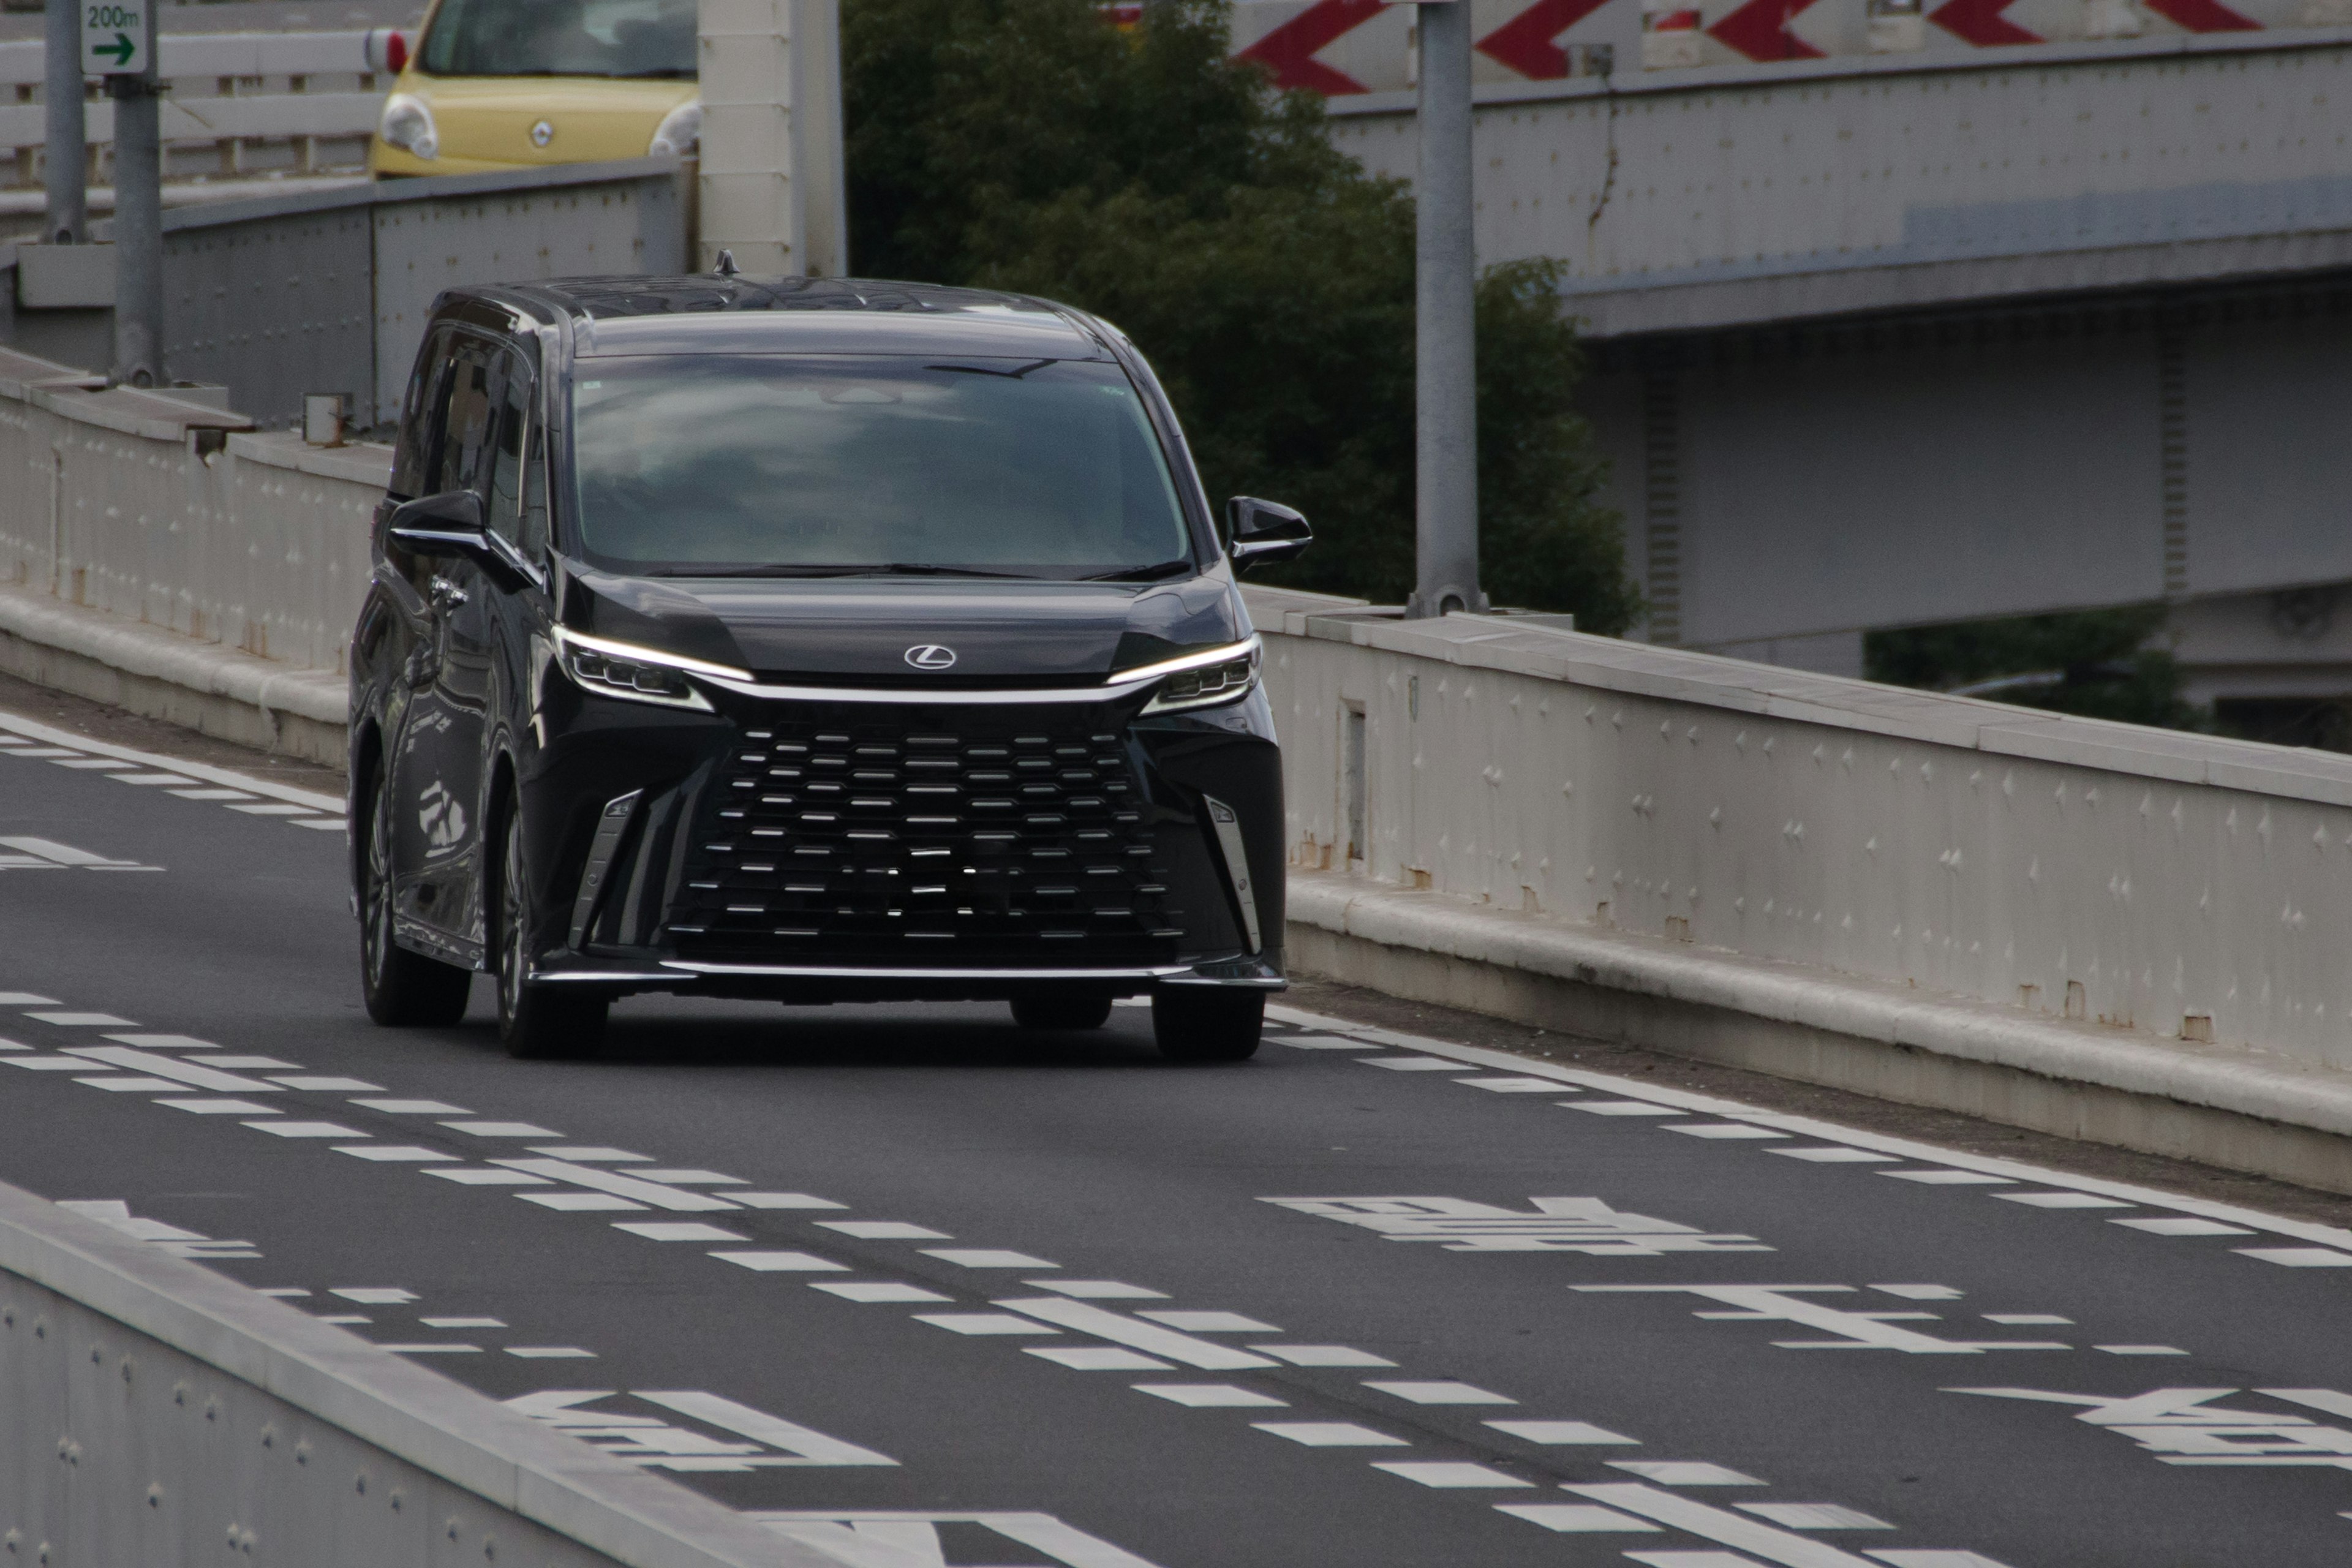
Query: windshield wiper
751,571
1151,574
924,569
1016,373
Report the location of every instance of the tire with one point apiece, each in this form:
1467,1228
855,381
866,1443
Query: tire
1207,1025
537,1023
403,989
1061,1012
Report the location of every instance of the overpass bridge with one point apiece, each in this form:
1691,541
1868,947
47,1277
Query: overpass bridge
1911,314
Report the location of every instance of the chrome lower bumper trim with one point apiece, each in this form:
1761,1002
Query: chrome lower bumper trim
680,967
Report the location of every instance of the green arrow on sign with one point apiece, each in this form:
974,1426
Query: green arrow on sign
122,48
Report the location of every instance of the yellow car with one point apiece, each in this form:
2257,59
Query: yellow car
507,84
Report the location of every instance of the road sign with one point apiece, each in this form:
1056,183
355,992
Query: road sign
116,38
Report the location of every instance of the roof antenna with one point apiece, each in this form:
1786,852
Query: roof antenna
726,267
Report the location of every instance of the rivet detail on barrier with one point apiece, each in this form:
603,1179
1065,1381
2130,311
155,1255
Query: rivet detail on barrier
269,1437
301,1453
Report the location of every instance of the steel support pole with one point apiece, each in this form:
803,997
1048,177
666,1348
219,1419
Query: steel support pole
65,180
1445,368
138,230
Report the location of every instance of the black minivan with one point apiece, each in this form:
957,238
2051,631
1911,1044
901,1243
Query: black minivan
809,640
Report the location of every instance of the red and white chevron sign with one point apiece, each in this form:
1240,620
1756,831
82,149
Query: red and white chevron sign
1346,47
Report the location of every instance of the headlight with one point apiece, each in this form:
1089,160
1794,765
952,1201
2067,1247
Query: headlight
680,132
636,674
1222,675
407,124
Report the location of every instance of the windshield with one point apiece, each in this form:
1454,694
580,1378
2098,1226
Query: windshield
561,37
708,466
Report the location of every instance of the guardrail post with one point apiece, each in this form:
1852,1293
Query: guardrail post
65,180
1445,366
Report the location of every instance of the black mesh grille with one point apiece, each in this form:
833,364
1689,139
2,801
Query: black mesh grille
944,837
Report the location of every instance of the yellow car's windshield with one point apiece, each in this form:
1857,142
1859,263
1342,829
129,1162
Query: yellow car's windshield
561,37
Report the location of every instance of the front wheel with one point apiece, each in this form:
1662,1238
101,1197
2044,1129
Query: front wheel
402,989
1207,1025
537,1022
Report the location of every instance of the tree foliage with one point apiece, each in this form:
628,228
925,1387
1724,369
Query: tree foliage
1025,145
2095,663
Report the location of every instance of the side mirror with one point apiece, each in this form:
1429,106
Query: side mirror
1259,532
449,523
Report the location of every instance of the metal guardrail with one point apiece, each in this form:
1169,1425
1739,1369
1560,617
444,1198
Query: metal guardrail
239,104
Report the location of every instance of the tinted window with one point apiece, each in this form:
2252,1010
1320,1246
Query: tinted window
561,37
420,418
706,463
467,419
503,497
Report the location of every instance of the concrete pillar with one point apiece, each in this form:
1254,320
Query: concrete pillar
138,211
1445,471
771,184
65,179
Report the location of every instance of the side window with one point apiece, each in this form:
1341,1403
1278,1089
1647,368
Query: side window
461,461
420,417
504,496
534,497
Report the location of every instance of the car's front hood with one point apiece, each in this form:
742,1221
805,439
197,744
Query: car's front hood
837,630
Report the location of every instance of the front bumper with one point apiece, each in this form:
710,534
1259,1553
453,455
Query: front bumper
839,850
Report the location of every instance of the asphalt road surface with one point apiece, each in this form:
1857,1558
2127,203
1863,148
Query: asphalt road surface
913,1283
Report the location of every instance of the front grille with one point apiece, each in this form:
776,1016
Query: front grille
947,838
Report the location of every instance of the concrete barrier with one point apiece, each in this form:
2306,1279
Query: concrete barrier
165,556
2097,929
157,1413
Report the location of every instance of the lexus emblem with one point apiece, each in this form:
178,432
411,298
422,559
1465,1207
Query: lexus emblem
930,656
541,134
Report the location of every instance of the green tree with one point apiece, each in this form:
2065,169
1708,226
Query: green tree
2095,663
1025,144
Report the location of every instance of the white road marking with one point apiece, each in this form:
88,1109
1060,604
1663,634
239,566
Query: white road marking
410,1107
581,1203
677,1230
983,1323
270,809
1919,1292
156,1042
651,1193
984,1258
66,854
786,1201
83,1020
325,824
1849,1330
328,1085
1323,1043
1684,1473
2182,1226
115,1214
13,1045
241,1064
550,1353
1947,1178
1038,1532
1099,1358
1834,1154
450,1349
875,1290
2140,1350
1149,1337
2027,1319
2184,1427
808,1446
462,1322
2298,1257
1330,1434
1441,1393
782,1262
883,1230
87,762
134,1085
476,1176
212,795
1812,1516
1724,1130
400,1153
47,735
1510,1085
1209,1395
26,999
1557,1225
1581,1517
1102,1291
50,1064
188,1073
2062,1200
373,1295
1452,1474
283,1292
306,1129
501,1130
220,1107
1560,1434
696,1178
174,779
1202,1322
586,1153
1620,1108
1323,1355
1411,1064
1720,1525
1935,1560
344,1319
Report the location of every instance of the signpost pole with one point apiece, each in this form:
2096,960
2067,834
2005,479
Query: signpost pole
1445,362
64,177
119,40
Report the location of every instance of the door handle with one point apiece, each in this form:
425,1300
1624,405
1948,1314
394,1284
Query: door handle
445,595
